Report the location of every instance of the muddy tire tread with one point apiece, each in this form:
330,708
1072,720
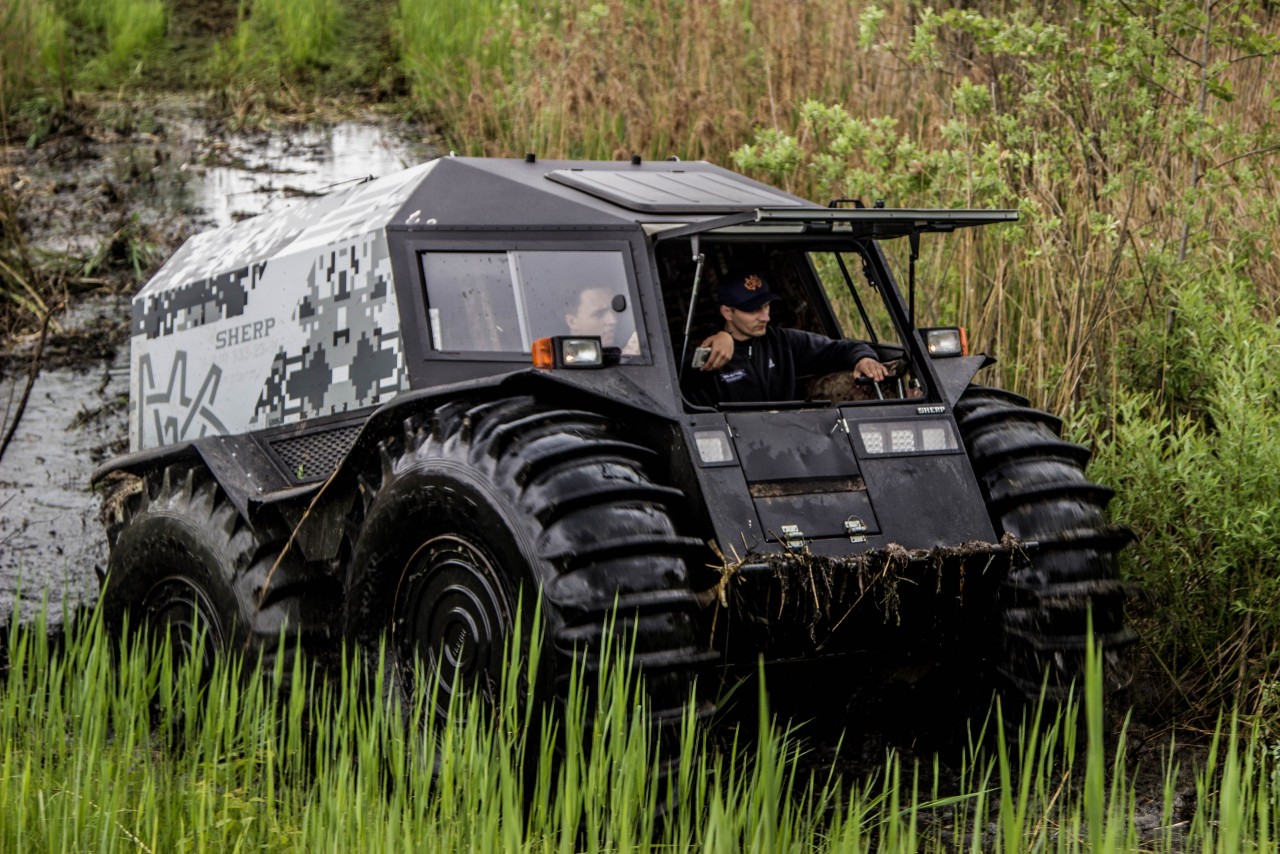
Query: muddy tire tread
1035,487
597,529
181,524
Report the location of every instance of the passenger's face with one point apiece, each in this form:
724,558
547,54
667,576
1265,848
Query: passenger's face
745,324
594,315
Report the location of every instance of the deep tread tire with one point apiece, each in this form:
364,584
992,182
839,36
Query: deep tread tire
185,558
1035,489
530,498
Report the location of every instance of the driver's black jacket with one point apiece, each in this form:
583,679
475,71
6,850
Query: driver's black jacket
765,369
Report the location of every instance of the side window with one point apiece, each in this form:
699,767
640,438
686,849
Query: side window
471,302
501,302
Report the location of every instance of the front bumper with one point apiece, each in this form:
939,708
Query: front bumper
795,604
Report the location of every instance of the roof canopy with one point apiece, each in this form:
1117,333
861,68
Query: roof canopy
476,193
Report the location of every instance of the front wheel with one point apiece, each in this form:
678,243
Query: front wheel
1035,489
454,613
491,510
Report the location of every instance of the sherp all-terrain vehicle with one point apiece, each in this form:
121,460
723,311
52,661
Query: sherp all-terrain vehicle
397,409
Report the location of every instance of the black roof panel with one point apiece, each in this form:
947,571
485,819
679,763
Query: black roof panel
673,191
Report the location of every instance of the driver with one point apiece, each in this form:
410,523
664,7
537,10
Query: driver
594,314
751,361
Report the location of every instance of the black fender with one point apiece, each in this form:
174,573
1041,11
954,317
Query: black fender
239,464
956,373
606,390
253,479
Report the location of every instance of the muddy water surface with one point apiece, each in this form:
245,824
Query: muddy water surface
171,177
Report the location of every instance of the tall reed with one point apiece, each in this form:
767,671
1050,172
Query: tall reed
280,43
122,747
134,32
114,40
33,52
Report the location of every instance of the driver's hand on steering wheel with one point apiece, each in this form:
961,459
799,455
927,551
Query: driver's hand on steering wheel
871,369
721,345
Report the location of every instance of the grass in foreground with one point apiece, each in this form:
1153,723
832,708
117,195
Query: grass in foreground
111,749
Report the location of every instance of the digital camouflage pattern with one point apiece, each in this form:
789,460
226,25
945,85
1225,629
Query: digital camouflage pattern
257,350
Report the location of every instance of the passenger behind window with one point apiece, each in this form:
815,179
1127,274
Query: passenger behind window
597,313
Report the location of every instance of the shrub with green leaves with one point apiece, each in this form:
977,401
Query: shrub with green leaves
1130,139
1197,471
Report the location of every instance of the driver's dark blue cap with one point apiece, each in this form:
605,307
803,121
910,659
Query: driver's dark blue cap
745,291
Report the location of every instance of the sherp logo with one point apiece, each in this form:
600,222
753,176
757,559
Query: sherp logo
171,412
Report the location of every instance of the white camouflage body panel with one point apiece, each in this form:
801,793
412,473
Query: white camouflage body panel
272,320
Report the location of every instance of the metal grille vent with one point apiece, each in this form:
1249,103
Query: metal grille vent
314,456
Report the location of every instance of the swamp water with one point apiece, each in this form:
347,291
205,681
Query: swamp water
52,545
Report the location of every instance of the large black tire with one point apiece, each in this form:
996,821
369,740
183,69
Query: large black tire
487,504
185,562
1036,490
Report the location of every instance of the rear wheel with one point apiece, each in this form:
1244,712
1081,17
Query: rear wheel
491,507
1035,489
186,564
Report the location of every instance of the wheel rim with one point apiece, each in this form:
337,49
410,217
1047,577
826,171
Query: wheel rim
452,617
180,609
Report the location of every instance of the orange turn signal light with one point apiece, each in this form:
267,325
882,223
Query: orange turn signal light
544,354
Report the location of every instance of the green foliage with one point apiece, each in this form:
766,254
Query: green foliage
33,48
1199,474
281,40
441,41
870,159
51,45
134,31
112,41
1100,126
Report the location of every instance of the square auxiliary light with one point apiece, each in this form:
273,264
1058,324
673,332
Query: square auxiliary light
581,352
945,341
713,446
906,437
563,351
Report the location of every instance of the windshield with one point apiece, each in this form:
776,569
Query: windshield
825,290
858,308
830,292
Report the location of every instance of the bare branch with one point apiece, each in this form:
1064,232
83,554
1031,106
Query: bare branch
1266,149
1248,56
32,373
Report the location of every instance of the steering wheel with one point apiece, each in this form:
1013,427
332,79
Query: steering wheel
897,372
843,387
